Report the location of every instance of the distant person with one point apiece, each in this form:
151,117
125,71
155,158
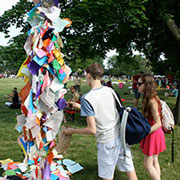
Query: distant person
154,143
13,101
75,98
77,83
99,108
164,82
75,94
159,80
109,84
174,92
103,83
135,88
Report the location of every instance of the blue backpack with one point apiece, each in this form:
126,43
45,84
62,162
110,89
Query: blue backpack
134,126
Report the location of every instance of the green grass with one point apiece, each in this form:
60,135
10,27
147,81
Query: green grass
83,148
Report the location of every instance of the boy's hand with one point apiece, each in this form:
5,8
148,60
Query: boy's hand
72,104
68,130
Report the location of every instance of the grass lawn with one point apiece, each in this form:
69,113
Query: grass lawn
83,148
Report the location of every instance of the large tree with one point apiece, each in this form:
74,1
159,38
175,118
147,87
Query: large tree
121,65
152,27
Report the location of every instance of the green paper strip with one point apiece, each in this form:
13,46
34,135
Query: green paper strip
10,172
56,45
56,65
54,38
17,170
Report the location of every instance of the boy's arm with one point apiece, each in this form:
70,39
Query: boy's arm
89,129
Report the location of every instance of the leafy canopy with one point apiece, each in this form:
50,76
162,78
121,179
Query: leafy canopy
99,26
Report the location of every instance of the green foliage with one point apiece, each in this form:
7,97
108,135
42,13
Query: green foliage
12,56
15,16
99,26
123,25
82,64
125,65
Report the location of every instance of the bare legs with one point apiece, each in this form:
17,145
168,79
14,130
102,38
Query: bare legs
131,176
156,165
151,163
135,102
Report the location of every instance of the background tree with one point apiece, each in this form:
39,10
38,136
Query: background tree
121,65
151,27
79,64
13,55
145,25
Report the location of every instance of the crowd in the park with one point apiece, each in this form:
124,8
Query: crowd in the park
5,75
99,107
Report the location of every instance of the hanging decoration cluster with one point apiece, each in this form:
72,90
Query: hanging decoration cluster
43,95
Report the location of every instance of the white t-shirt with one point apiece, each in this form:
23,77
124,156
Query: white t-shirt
101,104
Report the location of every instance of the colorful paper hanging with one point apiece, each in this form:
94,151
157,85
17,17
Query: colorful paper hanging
46,72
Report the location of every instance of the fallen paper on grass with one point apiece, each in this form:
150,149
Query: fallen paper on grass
74,168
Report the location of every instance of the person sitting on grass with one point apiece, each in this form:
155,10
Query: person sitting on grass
13,101
75,94
174,92
75,98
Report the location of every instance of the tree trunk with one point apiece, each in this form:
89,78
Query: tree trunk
176,111
174,29
176,33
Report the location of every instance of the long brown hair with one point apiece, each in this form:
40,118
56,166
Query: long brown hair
149,93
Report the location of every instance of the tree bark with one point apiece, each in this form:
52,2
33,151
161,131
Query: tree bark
176,111
174,29
176,33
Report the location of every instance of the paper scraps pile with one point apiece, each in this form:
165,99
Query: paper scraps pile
43,95
59,169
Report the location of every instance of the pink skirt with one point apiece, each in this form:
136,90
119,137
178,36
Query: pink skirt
153,143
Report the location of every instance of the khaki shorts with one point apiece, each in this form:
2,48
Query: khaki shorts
111,154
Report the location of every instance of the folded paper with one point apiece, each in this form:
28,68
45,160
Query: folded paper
34,67
40,61
61,103
55,121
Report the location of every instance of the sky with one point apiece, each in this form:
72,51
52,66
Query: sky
6,5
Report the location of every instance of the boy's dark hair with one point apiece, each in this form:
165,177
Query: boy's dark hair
95,70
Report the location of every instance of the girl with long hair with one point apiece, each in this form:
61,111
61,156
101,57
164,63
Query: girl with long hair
154,142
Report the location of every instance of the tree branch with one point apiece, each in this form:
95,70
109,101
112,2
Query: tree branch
173,28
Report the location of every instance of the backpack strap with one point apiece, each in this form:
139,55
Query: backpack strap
123,128
123,122
116,97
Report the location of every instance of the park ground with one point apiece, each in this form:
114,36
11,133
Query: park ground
83,148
